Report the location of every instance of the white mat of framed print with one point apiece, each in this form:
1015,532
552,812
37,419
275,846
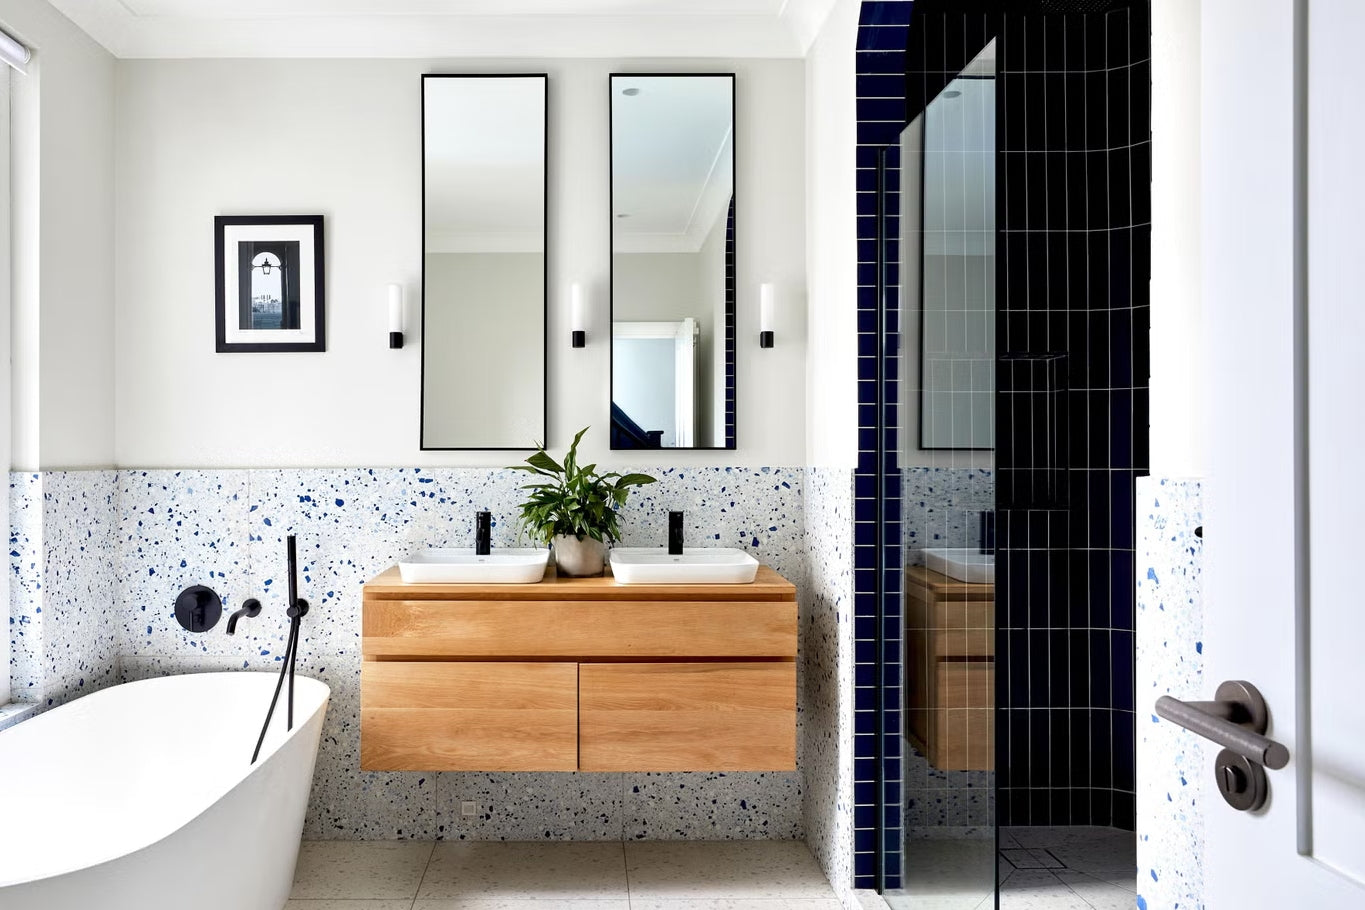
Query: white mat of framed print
269,272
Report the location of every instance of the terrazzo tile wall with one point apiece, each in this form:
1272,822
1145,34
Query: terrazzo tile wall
153,533
827,639
1172,765
941,507
63,616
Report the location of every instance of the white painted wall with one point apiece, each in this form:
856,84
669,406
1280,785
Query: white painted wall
349,148
62,170
6,383
1179,359
484,383
831,374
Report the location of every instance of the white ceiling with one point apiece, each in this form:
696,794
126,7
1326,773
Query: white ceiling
672,160
450,28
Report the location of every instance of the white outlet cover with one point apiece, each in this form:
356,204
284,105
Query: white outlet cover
468,809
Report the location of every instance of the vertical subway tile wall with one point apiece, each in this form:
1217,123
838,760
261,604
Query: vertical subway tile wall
1073,392
1073,204
882,29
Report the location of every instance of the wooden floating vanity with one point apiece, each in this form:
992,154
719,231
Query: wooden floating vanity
578,674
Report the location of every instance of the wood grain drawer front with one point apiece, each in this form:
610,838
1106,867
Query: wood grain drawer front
963,738
687,717
481,716
624,629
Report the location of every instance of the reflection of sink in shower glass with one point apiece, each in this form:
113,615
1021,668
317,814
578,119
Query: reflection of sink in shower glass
964,564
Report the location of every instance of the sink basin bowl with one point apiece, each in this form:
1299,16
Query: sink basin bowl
696,566
964,564
461,566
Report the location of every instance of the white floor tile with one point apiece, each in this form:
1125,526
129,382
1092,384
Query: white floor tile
724,869
330,903
735,903
495,869
514,903
1098,894
360,869
1042,899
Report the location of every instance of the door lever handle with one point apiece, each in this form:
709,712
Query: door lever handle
1237,721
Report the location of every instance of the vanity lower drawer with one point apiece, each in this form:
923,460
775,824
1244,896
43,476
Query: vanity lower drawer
468,716
719,716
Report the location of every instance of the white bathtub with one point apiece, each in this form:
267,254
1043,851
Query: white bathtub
141,797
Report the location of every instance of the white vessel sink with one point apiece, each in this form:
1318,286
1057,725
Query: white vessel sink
461,566
964,564
696,566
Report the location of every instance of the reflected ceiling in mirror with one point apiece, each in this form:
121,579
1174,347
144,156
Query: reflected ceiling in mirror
483,260
673,261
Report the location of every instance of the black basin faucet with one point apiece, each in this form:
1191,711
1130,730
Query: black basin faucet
250,607
483,534
675,533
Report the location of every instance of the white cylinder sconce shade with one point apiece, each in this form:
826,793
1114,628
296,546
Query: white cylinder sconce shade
395,316
765,315
577,318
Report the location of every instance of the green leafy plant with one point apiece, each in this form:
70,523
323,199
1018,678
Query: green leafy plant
573,501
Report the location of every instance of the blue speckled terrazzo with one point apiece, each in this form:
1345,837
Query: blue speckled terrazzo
940,507
127,542
826,745
63,615
1171,763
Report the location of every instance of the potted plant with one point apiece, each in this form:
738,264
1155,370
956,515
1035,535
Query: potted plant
574,508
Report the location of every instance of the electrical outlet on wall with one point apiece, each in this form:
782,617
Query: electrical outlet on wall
468,809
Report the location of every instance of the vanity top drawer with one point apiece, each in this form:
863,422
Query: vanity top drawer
502,629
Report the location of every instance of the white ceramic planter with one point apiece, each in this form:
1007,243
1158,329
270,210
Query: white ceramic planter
579,557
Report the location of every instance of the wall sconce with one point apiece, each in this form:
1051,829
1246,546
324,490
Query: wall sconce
765,315
395,316
577,319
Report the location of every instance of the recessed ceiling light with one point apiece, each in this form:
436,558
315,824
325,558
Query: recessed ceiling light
952,93
630,92
623,215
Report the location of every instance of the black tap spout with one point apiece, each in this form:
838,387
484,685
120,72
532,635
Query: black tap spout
483,534
675,533
251,607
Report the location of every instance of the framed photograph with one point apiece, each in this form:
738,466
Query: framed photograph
270,288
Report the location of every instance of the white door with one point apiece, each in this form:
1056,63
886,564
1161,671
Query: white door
1284,293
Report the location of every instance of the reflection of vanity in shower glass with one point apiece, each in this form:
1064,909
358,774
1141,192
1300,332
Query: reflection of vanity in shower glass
945,263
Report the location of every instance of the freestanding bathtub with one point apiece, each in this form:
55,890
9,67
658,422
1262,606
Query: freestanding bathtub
141,797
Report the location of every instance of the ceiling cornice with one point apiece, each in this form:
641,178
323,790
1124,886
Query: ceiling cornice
788,33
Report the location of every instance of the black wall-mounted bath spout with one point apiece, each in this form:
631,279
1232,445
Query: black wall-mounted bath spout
675,533
251,607
483,534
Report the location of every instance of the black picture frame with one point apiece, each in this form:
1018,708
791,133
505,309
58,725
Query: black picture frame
307,301
731,341
545,278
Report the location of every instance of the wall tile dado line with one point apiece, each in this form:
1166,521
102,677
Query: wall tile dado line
165,530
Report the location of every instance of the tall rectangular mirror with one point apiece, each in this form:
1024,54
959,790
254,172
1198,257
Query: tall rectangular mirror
673,261
483,261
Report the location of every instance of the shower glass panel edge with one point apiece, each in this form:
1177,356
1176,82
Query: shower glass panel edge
936,291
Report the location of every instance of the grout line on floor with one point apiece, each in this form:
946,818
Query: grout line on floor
430,857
